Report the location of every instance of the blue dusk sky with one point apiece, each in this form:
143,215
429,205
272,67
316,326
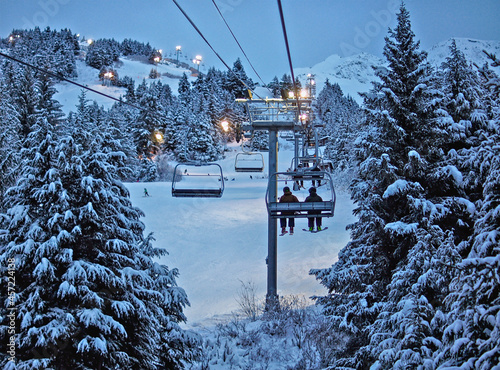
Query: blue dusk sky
316,28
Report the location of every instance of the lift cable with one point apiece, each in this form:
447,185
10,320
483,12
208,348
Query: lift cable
239,45
69,81
288,53
217,54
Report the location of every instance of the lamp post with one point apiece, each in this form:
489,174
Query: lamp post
197,61
177,51
225,127
311,85
108,76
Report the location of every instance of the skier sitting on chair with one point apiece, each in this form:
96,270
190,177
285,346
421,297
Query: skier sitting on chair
287,197
314,197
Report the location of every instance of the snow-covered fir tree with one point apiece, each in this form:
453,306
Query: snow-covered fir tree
471,338
237,81
10,142
412,205
342,120
88,292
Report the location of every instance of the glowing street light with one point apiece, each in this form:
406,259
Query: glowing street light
303,118
197,60
90,41
177,51
225,125
159,136
108,76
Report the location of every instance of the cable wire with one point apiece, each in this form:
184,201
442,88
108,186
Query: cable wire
235,39
217,54
288,53
69,81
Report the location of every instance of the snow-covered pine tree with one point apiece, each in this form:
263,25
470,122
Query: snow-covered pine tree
286,86
47,105
472,336
10,143
149,123
27,98
342,120
196,134
459,115
235,78
275,87
410,202
88,294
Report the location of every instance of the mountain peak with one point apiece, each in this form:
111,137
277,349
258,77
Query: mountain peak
355,74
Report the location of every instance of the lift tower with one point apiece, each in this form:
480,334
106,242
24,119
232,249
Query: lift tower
274,115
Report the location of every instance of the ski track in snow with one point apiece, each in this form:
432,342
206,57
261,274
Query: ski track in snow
218,244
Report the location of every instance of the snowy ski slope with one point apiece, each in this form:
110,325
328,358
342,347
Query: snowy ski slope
219,243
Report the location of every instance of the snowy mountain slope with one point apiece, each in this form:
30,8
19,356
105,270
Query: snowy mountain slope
127,66
472,49
219,243
354,74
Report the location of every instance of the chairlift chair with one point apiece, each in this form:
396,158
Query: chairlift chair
275,209
249,162
198,180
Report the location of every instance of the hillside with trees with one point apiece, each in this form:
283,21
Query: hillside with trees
417,286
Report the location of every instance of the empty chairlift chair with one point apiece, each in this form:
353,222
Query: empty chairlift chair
300,210
249,162
198,180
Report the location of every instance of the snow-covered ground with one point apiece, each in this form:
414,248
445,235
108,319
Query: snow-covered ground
219,243
138,70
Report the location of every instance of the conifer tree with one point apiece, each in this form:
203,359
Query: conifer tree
237,79
472,335
411,202
88,293
10,142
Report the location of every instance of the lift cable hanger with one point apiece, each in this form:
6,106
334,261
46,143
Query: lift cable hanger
217,54
69,81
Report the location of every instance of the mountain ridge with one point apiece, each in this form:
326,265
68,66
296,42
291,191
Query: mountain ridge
355,74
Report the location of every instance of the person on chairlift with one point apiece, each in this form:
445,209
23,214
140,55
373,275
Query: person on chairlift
316,178
287,197
314,197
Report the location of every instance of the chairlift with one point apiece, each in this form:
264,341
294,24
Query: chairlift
326,165
275,209
198,180
287,135
304,162
249,162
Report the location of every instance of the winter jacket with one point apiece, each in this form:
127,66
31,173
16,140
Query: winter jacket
288,197
313,198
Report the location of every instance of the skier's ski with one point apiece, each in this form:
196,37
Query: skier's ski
315,231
